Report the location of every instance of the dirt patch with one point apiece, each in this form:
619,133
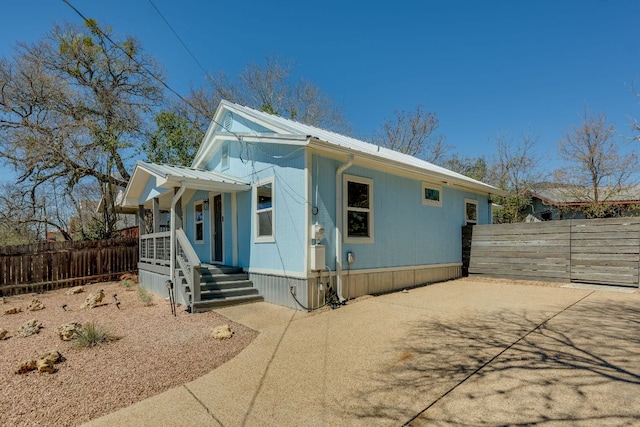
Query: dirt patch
154,351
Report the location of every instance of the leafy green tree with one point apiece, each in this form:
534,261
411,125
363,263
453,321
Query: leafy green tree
175,140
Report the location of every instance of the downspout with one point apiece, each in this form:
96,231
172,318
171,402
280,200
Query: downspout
172,240
339,215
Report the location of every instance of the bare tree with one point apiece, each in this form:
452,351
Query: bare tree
473,167
413,133
269,87
73,107
594,168
514,169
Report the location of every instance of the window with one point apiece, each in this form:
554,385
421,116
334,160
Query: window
470,211
431,194
264,211
198,213
358,209
224,163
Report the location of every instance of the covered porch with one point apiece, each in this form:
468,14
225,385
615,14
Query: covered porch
183,233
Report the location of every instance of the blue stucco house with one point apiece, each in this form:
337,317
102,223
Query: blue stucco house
277,210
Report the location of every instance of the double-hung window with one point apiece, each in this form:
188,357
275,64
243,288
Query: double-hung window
358,209
470,211
264,208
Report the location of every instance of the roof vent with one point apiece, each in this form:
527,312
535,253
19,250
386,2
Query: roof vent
227,121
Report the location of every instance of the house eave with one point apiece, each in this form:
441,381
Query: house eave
397,167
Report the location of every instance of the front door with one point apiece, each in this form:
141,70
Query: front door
217,228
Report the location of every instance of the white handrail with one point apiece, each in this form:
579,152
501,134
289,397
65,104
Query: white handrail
189,264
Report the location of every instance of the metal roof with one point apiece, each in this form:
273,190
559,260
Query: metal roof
168,177
564,194
374,152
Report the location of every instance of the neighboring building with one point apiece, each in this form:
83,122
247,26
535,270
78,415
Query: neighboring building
299,209
553,201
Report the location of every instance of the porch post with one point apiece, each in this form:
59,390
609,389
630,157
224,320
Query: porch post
156,215
234,229
141,225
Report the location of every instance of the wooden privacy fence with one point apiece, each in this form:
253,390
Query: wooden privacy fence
45,266
603,251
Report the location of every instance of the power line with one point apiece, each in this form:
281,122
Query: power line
148,71
178,37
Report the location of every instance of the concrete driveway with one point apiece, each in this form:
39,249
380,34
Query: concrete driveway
456,353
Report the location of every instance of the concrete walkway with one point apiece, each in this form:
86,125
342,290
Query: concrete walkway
454,353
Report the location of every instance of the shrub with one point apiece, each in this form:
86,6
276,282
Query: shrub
145,296
128,284
91,334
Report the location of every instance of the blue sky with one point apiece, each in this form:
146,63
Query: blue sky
485,67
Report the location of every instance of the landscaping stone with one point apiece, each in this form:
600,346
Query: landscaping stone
13,310
35,305
4,334
93,300
29,328
68,331
44,364
75,290
222,332
24,367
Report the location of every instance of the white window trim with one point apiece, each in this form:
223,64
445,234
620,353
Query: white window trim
224,160
345,209
425,201
195,222
256,224
466,219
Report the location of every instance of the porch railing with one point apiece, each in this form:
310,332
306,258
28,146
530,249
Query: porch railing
188,264
156,248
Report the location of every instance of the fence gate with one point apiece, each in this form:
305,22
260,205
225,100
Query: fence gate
605,251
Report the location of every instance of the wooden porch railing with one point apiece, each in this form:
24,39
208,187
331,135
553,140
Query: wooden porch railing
156,249
188,264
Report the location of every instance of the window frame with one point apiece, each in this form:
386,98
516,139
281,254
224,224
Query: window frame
466,218
256,211
197,223
345,209
431,186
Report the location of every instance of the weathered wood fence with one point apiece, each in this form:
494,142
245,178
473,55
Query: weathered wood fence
603,251
46,266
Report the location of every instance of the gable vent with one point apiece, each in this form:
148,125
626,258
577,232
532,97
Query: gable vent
227,121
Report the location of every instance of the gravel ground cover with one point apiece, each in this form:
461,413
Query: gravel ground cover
152,352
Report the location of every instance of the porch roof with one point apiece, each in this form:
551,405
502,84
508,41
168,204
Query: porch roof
140,189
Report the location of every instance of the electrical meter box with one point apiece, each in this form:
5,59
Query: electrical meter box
317,257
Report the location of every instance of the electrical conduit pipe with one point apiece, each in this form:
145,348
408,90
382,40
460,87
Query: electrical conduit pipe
339,217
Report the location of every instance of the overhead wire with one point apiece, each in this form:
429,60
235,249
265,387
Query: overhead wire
178,37
148,71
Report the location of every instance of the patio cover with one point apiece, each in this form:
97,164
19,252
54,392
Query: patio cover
151,180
